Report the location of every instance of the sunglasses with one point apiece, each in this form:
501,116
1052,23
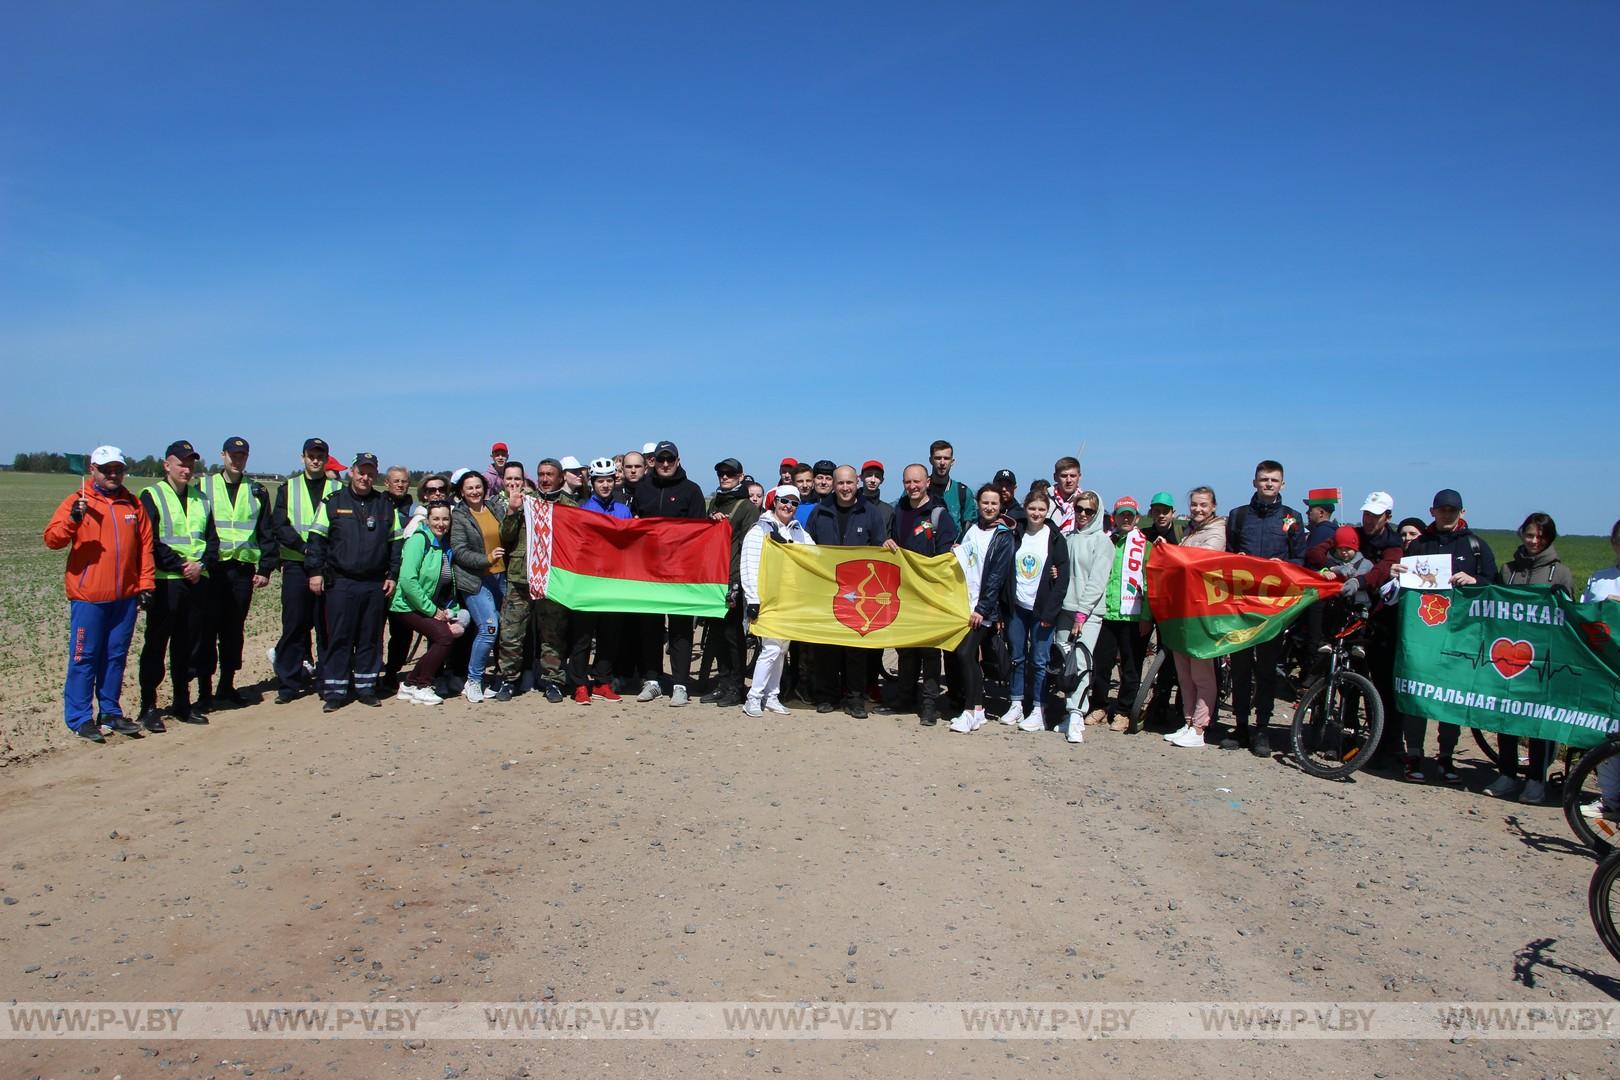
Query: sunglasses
787,502
665,460
1085,509
435,487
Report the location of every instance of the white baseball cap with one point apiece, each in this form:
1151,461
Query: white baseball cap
1379,502
570,464
105,455
648,448
786,491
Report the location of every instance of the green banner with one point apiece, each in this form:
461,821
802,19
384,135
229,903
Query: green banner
1522,661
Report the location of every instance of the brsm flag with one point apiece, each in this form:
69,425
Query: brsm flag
1210,603
1521,661
862,596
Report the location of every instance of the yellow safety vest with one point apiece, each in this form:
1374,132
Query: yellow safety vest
236,522
182,526
301,512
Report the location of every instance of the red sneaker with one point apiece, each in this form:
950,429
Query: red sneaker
604,691
582,696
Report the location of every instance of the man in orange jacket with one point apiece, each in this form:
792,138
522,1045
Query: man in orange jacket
109,575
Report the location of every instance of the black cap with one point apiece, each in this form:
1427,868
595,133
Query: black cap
666,447
730,464
1005,476
317,445
180,449
825,468
234,444
364,458
1447,499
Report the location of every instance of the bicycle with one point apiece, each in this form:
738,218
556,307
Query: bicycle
1600,902
1147,695
1582,785
1340,717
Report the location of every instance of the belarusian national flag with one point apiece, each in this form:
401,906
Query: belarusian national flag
1210,603
862,596
658,566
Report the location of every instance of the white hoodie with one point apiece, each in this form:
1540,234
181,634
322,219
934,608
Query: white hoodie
754,545
1091,559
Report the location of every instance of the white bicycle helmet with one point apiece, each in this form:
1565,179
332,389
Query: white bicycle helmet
603,466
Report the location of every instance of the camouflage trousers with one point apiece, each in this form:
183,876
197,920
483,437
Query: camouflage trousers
518,614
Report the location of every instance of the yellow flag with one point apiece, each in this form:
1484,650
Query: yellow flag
862,596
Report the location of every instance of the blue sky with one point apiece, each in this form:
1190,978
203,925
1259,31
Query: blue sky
1376,241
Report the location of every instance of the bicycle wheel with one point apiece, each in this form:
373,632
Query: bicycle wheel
1483,739
1150,675
1601,899
1337,725
1580,788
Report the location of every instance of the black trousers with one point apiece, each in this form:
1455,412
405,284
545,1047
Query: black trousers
915,663
729,650
604,628
839,673
230,594
680,650
400,639
301,612
1119,640
969,666
176,620
355,612
1254,680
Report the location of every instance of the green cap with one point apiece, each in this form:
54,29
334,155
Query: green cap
1163,498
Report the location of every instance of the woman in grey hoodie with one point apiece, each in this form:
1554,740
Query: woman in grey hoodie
1091,557
1536,563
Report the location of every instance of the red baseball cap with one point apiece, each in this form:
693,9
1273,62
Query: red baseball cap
788,463
1125,502
334,465
871,466
500,446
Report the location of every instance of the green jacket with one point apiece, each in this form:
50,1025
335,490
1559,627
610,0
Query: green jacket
1126,600
420,567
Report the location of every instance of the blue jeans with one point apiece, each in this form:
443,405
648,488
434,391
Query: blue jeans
98,645
1021,631
485,608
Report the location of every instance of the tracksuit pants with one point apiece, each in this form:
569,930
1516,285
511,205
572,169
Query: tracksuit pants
98,646
355,612
586,627
912,664
230,594
1122,640
176,620
301,612
1254,680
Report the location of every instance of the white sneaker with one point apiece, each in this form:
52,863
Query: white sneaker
406,693
774,704
979,718
271,653
649,690
1035,721
473,691
1188,737
1077,728
1178,733
751,707
677,696
492,691
963,724
1014,714
426,696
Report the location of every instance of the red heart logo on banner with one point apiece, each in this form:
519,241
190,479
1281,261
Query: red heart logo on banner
1511,658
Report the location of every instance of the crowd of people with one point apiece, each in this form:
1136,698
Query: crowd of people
378,577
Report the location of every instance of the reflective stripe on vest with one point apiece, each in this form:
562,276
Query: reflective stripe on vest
300,512
236,522
182,526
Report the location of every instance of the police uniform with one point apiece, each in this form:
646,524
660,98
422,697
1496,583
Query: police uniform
354,546
301,610
240,514
177,618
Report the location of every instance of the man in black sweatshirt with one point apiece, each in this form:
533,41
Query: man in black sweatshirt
352,559
667,492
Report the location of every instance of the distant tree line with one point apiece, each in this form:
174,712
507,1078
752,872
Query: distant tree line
41,461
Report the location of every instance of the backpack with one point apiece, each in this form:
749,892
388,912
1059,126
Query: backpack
1068,663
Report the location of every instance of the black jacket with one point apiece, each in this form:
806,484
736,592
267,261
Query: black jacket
281,517
1268,530
927,530
362,538
996,577
864,528
1049,593
676,497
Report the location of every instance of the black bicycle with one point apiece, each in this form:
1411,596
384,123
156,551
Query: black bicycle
1340,717
1148,697
1601,900
1583,794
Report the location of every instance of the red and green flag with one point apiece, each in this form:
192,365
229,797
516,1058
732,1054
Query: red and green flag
1211,603
1519,660
657,566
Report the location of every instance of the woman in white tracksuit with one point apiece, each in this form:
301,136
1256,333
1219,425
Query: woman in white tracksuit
778,522
1091,558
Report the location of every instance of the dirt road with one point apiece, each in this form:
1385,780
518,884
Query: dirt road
639,853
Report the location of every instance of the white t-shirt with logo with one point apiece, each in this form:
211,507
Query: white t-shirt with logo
1028,564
